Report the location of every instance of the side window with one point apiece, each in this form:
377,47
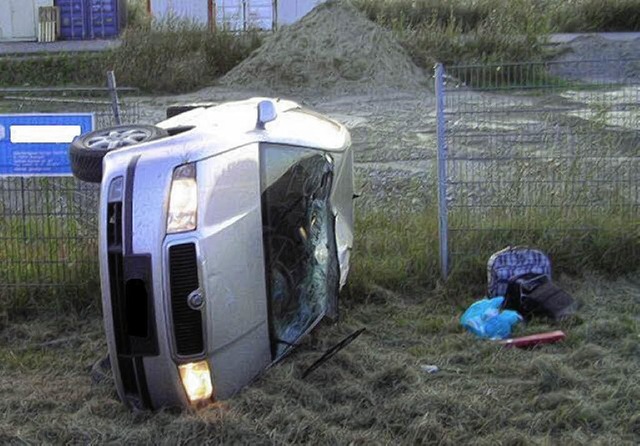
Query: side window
299,240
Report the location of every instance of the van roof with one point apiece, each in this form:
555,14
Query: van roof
233,124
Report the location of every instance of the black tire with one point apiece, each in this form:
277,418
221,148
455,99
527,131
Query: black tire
175,110
87,151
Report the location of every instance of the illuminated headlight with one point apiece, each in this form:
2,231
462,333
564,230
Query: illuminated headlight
183,200
196,380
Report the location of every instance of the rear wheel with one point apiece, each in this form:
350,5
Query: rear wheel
87,151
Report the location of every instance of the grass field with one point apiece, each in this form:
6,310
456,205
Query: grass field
583,391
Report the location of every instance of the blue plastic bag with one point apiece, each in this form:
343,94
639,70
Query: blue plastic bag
484,319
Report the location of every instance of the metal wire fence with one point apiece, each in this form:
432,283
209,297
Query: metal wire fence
536,153
96,100
48,225
527,153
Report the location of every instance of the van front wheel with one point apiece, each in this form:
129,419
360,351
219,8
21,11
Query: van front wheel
87,151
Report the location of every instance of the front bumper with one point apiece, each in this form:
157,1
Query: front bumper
147,277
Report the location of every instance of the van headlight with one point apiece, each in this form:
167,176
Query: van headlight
196,379
183,200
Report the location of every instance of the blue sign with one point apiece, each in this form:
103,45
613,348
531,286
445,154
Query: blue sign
38,144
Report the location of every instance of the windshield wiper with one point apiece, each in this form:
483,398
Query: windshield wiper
332,351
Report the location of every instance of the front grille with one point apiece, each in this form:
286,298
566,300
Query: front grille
183,280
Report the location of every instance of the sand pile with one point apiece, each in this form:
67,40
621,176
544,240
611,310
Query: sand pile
334,47
594,58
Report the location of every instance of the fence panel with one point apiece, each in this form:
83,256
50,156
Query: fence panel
48,225
542,153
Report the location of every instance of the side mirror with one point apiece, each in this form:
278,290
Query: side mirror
266,113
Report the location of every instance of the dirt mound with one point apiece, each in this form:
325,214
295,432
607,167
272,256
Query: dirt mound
595,58
335,48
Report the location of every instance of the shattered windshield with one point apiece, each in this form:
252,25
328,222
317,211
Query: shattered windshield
299,241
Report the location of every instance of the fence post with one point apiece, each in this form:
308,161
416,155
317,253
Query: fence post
113,92
443,211
245,12
274,15
23,205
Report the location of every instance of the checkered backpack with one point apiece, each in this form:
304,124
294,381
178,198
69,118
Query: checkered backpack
513,262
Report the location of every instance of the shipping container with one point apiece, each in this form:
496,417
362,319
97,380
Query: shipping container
235,15
105,18
72,19
238,15
19,19
197,11
91,19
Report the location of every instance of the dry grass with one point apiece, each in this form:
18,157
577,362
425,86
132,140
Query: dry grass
565,16
584,390
460,31
177,55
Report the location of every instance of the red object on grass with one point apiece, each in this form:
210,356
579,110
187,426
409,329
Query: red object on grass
540,338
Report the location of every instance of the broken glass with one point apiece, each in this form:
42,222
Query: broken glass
299,241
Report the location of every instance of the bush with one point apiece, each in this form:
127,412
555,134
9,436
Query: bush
177,56
59,69
596,15
469,15
455,31
137,14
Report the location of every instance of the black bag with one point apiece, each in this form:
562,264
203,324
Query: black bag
533,294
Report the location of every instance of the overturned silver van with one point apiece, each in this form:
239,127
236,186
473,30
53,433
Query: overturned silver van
225,236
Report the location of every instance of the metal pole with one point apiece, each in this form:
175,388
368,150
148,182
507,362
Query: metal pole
23,205
212,15
274,15
113,92
443,211
244,15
